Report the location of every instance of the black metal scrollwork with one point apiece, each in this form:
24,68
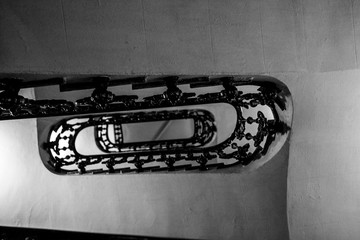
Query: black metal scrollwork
204,130
241,147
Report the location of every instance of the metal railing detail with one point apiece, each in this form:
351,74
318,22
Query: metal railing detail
103,108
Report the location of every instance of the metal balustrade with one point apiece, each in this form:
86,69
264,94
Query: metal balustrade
104,109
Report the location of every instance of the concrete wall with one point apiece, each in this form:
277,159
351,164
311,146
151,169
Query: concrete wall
313,46
323,180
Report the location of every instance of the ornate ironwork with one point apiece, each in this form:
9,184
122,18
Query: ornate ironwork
239,148
14,106
204,130
61,144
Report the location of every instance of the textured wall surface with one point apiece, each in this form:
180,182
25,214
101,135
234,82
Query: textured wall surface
323,180
181,36
313,46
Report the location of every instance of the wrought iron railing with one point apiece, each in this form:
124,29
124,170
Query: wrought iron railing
103,108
